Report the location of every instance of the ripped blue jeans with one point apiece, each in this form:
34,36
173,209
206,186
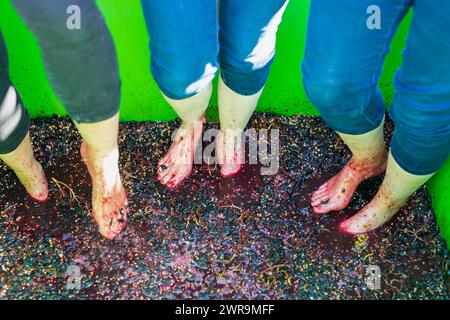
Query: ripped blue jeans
343,63
189,39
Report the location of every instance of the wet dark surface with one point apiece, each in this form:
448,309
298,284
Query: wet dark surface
250,236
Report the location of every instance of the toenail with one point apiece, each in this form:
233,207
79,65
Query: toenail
343,190
163,167
324,201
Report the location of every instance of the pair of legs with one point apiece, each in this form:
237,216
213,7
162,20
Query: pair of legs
189,41
82,68
342,65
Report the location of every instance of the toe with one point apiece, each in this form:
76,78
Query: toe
163,168
167,176
348,227
104,221
174,182
320,209
105,231
320,191
164,175
116,227
117,222
41,197
122,218
323,187
344,228
123,199
321,199
123,213
113,230
229,170
315,202
178,178
171,185
318,196
353,226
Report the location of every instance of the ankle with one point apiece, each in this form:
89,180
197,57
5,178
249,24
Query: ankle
105,160
232,132
193,121
368,162
391,197
26,167
190,128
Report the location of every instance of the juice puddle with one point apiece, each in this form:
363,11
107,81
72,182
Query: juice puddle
244,237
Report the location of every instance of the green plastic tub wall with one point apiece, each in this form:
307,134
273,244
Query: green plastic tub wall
141,100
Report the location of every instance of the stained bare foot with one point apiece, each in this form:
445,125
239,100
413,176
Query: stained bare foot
231,153
335,194
109,199
375,214
34,181
177,164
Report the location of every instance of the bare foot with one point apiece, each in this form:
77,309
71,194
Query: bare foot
335,194
109,199
231,155
34,181
375,214
177,164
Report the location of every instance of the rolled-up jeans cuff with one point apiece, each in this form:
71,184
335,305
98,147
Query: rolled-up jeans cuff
354,125
416,159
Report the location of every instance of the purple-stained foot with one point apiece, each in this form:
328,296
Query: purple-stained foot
109,199
336,193
177,164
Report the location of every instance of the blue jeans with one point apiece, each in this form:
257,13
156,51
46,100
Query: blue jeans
343,63
189,39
